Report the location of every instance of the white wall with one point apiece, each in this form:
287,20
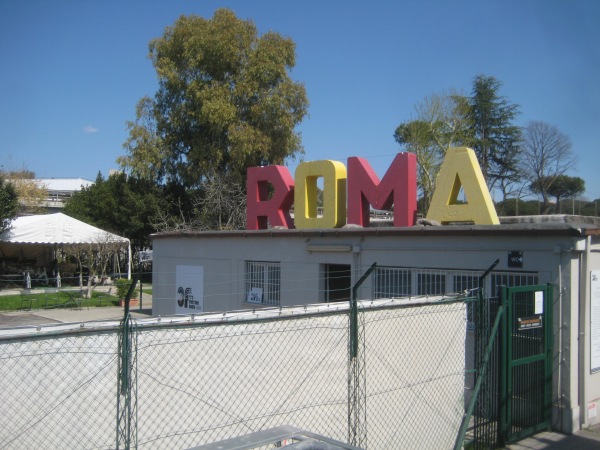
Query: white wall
556,257
223,259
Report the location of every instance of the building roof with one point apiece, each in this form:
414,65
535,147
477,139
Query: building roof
564,225
64,184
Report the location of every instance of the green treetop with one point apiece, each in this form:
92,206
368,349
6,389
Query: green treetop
225,102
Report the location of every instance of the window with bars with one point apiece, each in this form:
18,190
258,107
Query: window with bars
398,282
511,279
263,282
392,282
431,283
465,283
405,282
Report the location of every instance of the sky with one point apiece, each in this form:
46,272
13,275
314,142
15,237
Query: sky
72,71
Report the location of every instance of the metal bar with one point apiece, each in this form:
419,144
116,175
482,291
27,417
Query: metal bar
549,338
487,272
130,292
482,372
505,367
126,387
354,311
356,368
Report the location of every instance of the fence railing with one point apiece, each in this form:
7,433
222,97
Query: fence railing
184,381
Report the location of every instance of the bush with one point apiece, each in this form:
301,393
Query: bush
122,285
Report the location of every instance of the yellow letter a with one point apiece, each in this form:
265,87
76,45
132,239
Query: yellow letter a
460,168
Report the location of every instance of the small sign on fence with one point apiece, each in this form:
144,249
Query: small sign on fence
529,322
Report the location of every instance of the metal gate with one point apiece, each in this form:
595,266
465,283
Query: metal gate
526,364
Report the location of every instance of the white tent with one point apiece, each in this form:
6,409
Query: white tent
57,229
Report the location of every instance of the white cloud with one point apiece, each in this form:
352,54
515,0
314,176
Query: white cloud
90,129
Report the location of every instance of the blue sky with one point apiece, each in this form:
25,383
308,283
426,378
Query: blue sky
72,71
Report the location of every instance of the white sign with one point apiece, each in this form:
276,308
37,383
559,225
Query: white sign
145,256
189,289
595,320
539,302
255,295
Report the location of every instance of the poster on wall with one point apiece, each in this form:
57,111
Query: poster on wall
189,289
595,320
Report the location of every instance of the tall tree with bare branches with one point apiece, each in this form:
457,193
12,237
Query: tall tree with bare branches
547,154
440,124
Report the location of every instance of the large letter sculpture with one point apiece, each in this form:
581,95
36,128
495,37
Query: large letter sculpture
334,194
262,211
398,187
460,169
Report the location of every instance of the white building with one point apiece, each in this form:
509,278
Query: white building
220,271
60,190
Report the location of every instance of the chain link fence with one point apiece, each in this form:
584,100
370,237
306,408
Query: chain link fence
59,391
185,381
415,363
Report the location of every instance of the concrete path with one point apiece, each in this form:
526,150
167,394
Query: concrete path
582,440
10,319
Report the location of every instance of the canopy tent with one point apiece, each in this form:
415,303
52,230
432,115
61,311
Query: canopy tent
54,230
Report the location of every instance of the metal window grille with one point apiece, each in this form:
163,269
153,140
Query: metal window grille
465,283
511,279
265,278
431,283
392,282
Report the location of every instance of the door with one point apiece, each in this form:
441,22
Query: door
338,282
526,362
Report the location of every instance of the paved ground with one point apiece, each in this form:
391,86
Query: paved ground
582,440
65,315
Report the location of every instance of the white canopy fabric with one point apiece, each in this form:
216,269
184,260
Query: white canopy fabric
57,229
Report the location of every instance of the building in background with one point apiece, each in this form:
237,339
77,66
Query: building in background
60,190
232,270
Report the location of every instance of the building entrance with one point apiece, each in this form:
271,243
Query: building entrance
338,282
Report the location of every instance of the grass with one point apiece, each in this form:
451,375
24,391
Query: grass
51,300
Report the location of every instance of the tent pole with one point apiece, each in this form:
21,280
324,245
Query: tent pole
129,261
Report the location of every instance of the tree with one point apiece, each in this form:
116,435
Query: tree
547,154
491,133
9,203
225,102
222,204
126,206
440,124
30,193
559,187
145,149
96,256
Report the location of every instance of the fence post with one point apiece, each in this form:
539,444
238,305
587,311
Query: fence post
485,336
504,414
129,294
357,431
126,435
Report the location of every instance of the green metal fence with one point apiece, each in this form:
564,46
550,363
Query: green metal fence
426,372
526,367
511,397
184,381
